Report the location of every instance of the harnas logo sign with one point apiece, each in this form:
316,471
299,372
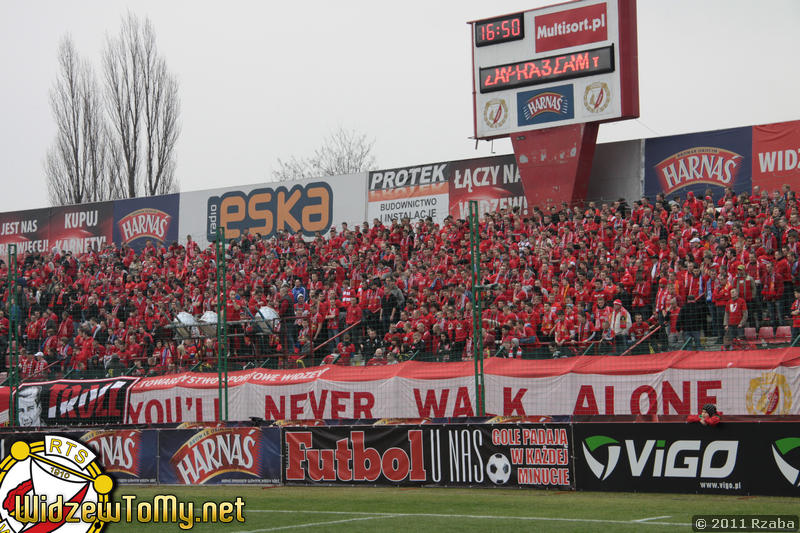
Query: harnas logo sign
686,458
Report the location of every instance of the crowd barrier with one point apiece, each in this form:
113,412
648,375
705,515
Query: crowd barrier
736,458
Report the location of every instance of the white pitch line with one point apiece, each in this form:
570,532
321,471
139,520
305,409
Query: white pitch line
651,518
487,517
312,524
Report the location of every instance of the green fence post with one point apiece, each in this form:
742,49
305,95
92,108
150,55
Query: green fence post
477,289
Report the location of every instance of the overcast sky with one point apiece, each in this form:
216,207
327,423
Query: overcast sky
261,80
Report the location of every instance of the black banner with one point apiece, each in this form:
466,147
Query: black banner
731,458
530,455
72,402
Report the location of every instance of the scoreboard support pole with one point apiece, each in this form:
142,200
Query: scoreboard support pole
555,163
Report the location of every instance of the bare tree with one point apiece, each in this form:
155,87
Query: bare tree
75,164
342,152
144,110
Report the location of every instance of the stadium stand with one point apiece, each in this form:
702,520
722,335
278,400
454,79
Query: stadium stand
566,280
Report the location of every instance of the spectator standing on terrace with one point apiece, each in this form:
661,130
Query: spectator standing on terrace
620,321
735,318
299,290
693,313
795,312
286,314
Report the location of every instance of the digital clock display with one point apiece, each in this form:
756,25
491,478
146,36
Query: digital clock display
547,69
499,30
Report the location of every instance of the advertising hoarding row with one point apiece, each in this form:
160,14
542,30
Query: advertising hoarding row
730,458
765,156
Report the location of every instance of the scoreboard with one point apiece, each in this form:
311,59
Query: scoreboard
564,64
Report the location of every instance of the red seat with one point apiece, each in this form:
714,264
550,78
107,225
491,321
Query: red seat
784,333
750,334
766,333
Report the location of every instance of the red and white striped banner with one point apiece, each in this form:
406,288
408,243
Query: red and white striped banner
740,383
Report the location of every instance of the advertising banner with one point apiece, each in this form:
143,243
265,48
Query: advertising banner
676,383
219,455
552,104
128,455
536,456
493,181
77,228
411,192
71,402
138,220
304,206
698,161
26,229
731,458
776,155
81,228
571,27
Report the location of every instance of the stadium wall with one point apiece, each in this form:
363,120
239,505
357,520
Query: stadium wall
617,171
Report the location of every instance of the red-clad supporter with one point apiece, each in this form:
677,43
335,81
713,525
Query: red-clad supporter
553,275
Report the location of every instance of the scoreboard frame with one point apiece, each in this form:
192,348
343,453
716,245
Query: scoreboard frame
552,49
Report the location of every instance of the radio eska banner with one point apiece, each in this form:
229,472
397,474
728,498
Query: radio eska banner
776,155
138,220
305,207
218,455
699,161
72,402
536,456
676,383
730,458
77,229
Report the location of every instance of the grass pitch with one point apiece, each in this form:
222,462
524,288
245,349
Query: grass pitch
354,510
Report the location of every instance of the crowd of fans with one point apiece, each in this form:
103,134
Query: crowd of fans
557,281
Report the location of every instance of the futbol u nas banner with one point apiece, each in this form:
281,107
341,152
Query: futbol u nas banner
536,456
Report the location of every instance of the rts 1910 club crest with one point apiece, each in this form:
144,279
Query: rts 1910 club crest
52,485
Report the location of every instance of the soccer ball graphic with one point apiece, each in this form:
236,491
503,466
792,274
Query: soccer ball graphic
498,469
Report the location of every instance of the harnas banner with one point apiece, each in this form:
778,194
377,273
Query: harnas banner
138,220
216,455
698,161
